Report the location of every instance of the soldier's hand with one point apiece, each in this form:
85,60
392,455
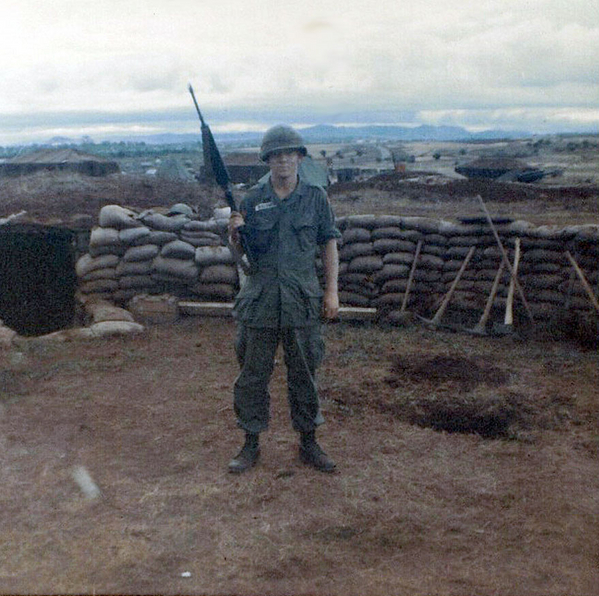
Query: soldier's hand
235,222
330,305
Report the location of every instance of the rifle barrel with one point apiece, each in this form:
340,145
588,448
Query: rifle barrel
195,102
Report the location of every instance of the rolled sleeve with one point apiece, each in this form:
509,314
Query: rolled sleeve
327,229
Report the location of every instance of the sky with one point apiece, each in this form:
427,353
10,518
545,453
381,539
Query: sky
108,68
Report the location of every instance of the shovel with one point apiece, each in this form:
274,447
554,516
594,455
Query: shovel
508,321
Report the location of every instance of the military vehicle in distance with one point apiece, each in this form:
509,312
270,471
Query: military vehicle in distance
501,169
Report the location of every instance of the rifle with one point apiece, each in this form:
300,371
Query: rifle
214,162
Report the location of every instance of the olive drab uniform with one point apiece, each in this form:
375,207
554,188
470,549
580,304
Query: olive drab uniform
281,302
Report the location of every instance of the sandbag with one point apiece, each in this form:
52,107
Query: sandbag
219,274
356,249
434,240
134,268
99,286
426,225
355,235
102,310
389,221
391,271
213,255
164,223
403,258
177,249
355,278
202,239
543,256
392,245
214,291
433,249
115,216
352,299
369,264
388,232
88,263
141,253
128,282
130,235
201,226
155,237
541,282
106,273
367,222
104,241
175,268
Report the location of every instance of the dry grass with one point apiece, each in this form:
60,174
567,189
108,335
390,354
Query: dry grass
56,196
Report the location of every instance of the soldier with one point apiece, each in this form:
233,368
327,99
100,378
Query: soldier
284,222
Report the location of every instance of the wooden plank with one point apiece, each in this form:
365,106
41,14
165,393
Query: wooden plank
223,309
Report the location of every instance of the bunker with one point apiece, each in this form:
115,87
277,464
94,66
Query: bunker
37,278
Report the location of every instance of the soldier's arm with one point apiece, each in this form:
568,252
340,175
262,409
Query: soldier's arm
330,261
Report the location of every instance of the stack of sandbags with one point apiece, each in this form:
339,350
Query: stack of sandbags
358,262
135,270
218,278
201,233
382,250
549,280
175,264
151,253
477,279
98,275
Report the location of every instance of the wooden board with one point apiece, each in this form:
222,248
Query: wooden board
224,309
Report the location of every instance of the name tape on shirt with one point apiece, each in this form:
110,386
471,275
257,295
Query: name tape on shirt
262,206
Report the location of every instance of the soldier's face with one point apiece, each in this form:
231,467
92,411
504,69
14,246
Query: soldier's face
284,164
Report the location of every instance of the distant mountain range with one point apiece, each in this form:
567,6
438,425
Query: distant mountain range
329,134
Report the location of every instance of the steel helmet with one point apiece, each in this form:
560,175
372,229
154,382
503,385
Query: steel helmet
279,138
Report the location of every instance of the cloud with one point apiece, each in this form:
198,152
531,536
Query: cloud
326,58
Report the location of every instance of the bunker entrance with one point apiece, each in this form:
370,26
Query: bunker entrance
37,278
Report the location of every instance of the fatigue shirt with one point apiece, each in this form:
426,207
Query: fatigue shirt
282,289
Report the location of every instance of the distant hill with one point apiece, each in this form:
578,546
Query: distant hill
322,133
330,134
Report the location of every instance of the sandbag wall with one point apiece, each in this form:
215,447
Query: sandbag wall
152,253
377,253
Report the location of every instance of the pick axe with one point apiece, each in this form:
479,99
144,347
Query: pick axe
434,322
506,261
583,281
403,315
481,327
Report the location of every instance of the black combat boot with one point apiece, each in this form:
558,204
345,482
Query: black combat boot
248,456
311,454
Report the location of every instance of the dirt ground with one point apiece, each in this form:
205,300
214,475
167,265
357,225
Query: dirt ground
412,509
467,465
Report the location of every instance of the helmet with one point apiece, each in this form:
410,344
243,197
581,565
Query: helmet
180,209
279,138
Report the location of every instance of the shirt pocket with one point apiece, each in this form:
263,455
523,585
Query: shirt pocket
305,231
260,233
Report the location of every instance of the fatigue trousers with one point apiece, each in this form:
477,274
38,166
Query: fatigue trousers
256,349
